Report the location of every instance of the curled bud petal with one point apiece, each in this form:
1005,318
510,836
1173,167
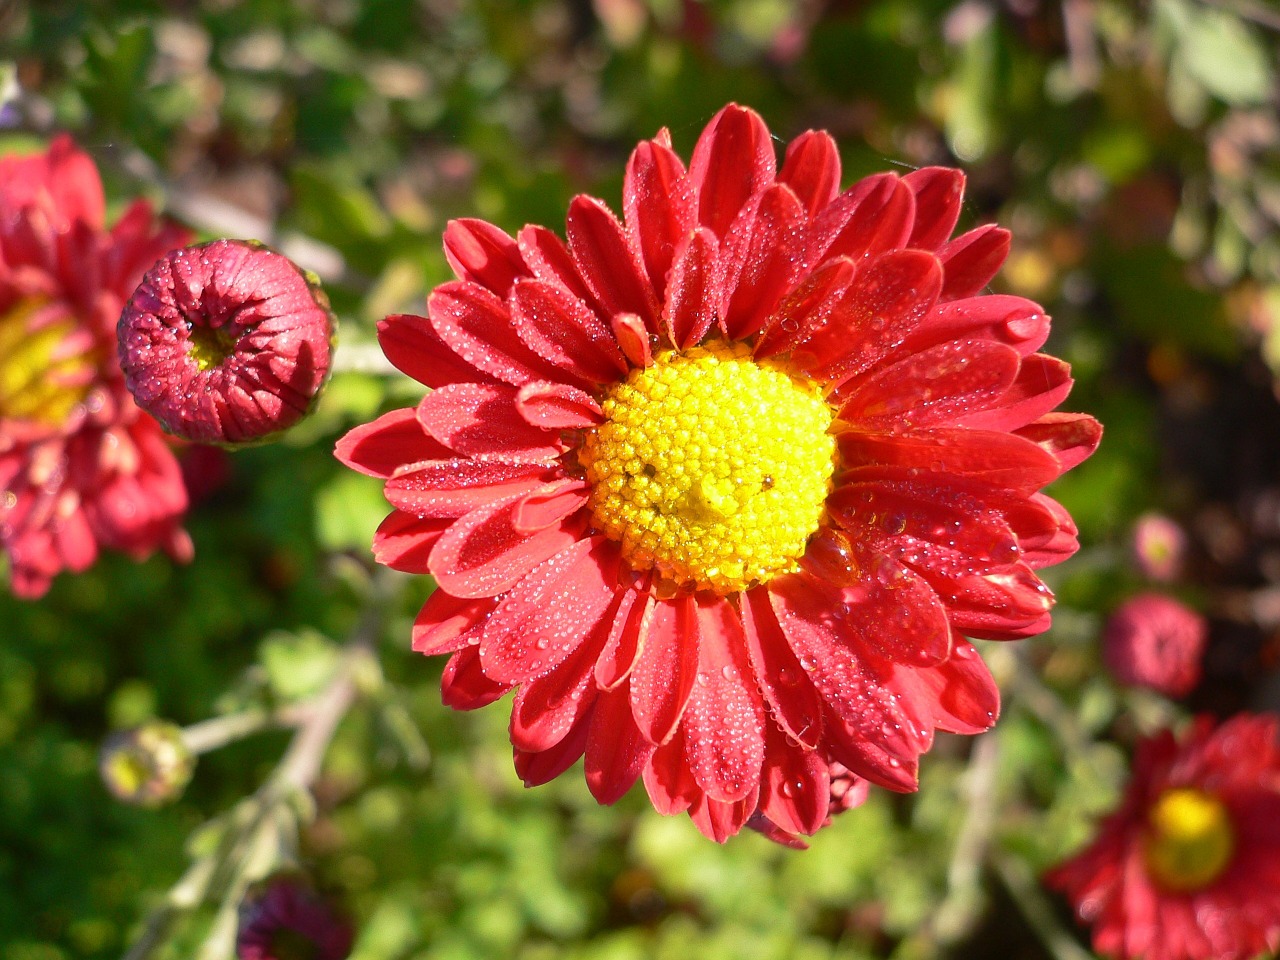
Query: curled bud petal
226,342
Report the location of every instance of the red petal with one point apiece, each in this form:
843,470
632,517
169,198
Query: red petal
478,327
939,191
760,259
793,700
536,769
1039,550
550,612
869,759
811,307
1001,459
1019,322
566,332
812,169
724,722
464,685
719,821
483,420
863,709
447,623
872,217
605,259
404,542
971,260
732,160
616,750
483,555
548,505
882,306
1000,606
1043,383
795,787
480,252
658,203
388,443
557,406
415,349
634,339
694,291
933,387
453,488
664,674
549,259
668,781
966,698
547,707
630,624
1070,437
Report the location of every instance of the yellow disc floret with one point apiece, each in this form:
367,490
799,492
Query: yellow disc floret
1190,839
711,467
39,379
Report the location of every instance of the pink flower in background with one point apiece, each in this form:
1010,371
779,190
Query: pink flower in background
226,342
720,487
1159,547
81,468
1154,641
286,920
1188,867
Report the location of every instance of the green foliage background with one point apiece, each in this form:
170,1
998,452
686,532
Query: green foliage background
1131,146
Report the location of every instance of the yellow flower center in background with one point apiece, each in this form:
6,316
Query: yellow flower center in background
1190,840
710,467
36,381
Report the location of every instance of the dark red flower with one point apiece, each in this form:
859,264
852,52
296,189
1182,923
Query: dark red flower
719,487
81,468
287,920
1188,868
1154,641
226,342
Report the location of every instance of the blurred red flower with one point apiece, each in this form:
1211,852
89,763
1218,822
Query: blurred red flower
81,468
226,342
286,920
1188,868
720,486
1154,641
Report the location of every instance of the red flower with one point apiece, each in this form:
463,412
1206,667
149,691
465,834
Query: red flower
287,920
1154,641
226,342
1188,868
80,466
719,487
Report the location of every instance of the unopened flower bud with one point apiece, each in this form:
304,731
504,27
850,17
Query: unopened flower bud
1154,641
226,342
285,919
148,765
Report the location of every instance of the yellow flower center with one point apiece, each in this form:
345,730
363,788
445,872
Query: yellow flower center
711,468
1190,841
210,346
39,379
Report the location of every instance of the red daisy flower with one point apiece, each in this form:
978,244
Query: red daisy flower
1188,868
226,342
81,467
1154,641
720,486
287,920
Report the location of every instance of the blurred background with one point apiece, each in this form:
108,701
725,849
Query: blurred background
1133,148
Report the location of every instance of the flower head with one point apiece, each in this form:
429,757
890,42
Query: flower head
721,486
81,467
1188,868
1156,642
286,920
1159,546
226,342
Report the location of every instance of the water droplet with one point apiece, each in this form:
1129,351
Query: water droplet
542,643
728,672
